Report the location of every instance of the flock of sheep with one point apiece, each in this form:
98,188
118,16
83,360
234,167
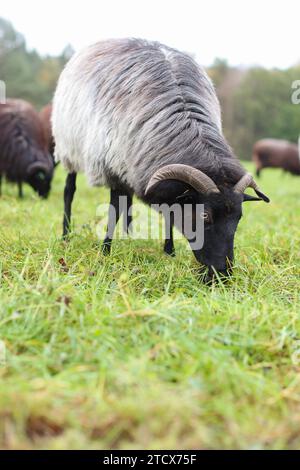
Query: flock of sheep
143,119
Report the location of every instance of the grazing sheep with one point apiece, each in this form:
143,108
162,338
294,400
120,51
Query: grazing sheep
24,155
45,115
144,119
274,153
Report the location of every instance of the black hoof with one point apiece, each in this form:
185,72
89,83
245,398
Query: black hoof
169,249
170,252
65,237
106,249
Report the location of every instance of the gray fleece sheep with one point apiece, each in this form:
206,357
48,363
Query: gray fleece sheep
143,118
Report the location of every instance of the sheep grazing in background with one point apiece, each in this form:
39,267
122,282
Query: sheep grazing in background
45,115
24,154
274,153
144,119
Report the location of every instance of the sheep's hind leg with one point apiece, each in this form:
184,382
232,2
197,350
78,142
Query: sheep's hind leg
70,188
119,202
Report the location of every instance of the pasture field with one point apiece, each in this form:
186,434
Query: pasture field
131,351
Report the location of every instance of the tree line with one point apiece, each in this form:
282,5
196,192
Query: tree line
26,73
256,102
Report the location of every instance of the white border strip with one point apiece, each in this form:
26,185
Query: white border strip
2,92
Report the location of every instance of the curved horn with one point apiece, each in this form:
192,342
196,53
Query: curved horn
195,178
36,166
247,181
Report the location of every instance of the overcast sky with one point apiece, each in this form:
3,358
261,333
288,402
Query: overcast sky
245,32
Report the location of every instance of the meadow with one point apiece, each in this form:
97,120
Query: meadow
132,351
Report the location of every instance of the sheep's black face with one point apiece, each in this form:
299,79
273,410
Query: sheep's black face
40,181
212,240
222,213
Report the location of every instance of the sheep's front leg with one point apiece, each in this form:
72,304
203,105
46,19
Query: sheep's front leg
127,215
70,188
169,248
120,202
20,190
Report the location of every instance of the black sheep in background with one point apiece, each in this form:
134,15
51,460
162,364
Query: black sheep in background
275,153
24,152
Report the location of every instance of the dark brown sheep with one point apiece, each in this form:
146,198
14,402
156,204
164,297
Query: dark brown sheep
273,153
24,153
45,115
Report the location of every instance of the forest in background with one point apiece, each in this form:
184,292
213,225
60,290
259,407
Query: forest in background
256,102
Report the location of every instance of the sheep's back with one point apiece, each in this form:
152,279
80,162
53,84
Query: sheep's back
123,107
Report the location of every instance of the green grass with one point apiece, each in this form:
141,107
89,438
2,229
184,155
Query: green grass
131,351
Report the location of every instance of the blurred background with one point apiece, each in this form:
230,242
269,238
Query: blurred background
250,50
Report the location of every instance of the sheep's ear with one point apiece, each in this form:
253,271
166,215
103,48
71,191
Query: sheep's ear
247,197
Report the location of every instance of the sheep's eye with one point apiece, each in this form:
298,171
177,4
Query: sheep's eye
205,216
41,175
